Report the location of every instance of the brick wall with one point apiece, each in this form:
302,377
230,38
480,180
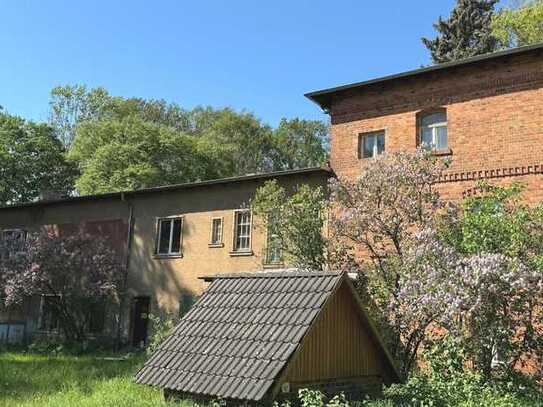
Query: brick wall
494,112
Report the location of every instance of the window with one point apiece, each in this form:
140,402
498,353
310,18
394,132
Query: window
372,144
242,231
48,313
433,131
274,246
12,242
216,232
169,236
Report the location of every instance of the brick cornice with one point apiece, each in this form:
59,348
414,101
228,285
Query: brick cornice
511,83
491,173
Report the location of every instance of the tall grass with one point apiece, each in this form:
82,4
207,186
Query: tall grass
30,380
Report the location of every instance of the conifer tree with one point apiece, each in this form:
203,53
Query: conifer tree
466,33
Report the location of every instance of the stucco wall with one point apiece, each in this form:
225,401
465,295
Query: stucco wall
164,280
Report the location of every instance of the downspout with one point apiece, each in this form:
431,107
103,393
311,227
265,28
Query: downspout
124,281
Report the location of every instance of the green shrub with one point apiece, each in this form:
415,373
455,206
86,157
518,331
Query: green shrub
162,327
447,382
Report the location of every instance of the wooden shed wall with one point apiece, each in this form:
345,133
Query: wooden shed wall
338,347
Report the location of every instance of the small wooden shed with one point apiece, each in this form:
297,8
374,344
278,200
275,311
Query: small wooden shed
261,336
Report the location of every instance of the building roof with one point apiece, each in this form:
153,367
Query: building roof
324,97
240,335
176,187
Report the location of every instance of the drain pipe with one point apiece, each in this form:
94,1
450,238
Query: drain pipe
124,281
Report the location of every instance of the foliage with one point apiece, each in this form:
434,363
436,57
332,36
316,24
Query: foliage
515,27
116,155
482,278
299,144
30,380
310,398
315,398
489,301
497,220
237,143
447,382
124,143
296,219
32,161
466,33
46,265
162,327
73,105
378,216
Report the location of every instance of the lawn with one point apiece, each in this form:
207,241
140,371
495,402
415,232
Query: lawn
29,380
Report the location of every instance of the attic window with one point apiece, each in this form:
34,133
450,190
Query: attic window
433,130
371,144
169,236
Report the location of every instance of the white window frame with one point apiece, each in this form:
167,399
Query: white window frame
434,127
269,249
235,249
219,242
170,253
375,134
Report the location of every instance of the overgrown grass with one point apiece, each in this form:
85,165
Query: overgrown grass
29,380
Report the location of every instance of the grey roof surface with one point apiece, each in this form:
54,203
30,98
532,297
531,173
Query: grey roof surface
324,97
240,334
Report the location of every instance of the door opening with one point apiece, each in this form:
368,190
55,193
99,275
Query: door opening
140,321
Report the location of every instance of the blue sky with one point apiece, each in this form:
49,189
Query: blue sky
253,55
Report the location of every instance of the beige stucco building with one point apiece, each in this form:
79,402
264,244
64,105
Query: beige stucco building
167,236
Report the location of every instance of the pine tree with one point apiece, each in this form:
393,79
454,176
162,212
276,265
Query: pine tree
466,33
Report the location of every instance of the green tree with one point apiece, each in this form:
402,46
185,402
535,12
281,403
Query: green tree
202,143
125,154
237,143
466,33
297,220
300,143
70,105
498,221
78,274
32,162
515,27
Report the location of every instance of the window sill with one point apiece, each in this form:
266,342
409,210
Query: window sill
167,256
44,331
443,152
242,253
274,266
215,245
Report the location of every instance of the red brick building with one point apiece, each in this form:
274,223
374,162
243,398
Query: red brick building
485,113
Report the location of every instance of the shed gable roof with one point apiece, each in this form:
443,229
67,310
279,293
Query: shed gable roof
240,334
